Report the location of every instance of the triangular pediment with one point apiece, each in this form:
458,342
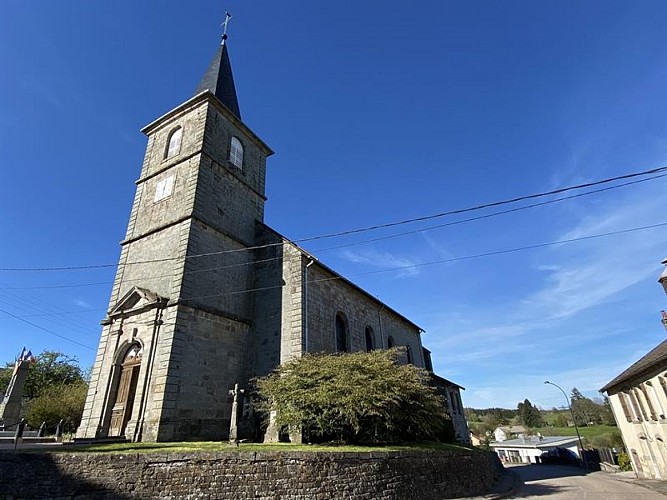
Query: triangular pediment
136,299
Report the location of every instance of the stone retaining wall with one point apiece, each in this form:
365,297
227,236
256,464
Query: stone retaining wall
244,475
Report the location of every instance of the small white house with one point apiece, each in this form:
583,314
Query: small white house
527,449
508,432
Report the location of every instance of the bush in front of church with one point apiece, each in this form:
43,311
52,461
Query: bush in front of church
361,397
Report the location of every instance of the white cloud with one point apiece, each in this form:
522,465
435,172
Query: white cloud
585,274
81,303
504,347
383,260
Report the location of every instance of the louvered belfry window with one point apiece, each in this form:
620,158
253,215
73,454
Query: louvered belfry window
236,153
174,144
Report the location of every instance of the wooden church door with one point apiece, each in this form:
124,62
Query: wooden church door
127,387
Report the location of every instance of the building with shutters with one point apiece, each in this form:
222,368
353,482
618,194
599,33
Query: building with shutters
638,398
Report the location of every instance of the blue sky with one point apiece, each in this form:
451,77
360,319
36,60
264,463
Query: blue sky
377,111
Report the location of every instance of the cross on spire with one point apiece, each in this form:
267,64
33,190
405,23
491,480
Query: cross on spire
224,24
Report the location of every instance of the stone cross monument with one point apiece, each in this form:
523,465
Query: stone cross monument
234,421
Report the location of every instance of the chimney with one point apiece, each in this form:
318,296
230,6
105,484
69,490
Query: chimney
663,277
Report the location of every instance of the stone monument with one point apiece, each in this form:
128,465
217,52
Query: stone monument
10,407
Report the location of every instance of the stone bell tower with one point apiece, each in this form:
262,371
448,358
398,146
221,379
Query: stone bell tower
175,338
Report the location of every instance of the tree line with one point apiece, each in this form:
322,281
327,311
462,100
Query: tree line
586,412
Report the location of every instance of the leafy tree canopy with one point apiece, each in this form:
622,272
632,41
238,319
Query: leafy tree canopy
55,389
529,415
62,402
589,412
51,368
355,397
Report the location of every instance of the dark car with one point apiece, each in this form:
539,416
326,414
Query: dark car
560,456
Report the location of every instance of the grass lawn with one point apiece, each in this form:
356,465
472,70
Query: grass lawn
586,432
212,446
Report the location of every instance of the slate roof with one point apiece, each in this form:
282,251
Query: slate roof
219,80
535,442
657,356
446,382
514,429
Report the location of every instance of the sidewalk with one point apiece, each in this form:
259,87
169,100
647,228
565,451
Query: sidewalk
657,485
27,445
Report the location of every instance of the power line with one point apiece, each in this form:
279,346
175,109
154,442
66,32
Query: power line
29,303
360,242
52,287
487,205
360,230
62,313
488,216
411,266
46,330
445,261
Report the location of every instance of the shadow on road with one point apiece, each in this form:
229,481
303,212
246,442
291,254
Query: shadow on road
537,490
538,472
530,475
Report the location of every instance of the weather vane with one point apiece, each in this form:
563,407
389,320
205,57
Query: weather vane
224,24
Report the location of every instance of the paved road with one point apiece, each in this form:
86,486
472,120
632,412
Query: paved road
558,482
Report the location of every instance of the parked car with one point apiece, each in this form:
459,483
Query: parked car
560,456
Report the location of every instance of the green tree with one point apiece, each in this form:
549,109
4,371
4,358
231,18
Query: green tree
607,415
355,397
51,368
586,411
471,415
561,419
61,402
529,415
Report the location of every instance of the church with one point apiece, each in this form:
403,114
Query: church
206,296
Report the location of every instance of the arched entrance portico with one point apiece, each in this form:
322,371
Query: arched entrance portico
127,386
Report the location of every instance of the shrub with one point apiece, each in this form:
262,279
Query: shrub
624,462
58,402
363,397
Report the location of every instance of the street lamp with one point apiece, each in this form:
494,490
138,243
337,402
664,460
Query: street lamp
576,428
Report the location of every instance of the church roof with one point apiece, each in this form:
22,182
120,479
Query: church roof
219,80
446,382
656,358
341,278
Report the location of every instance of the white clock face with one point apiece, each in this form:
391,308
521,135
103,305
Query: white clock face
164,188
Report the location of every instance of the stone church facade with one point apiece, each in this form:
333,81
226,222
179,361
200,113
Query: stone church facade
207,296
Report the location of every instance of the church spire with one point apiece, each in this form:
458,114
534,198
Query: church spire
218,78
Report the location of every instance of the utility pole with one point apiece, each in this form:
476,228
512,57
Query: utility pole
576,428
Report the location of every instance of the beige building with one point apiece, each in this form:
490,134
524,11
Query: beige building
638,399
207,296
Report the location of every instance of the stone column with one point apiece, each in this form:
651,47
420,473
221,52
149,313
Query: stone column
234,420
10,408
271,434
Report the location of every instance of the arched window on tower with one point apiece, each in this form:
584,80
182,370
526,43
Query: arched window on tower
390,342
236,153
370,344
341,333
408,351
174,143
